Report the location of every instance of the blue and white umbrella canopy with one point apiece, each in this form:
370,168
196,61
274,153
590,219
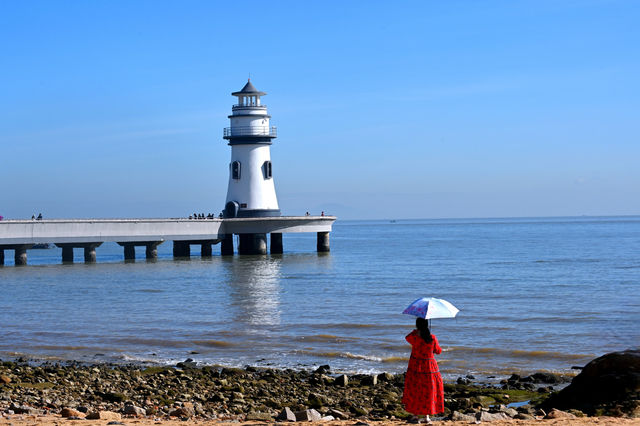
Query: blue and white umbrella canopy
430,307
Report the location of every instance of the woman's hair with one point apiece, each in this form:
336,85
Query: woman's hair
423,327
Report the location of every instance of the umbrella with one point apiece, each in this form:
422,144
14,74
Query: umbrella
430,307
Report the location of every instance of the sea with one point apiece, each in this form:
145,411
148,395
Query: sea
535,294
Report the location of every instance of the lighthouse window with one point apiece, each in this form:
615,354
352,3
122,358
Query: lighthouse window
235,170
266,170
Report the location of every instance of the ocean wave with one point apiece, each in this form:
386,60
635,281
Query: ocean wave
517,353
325,338
214,343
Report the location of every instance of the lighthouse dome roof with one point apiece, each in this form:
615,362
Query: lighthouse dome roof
249,89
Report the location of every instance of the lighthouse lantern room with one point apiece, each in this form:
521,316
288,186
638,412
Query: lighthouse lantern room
251,191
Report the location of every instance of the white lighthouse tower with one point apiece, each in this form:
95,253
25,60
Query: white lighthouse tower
251,191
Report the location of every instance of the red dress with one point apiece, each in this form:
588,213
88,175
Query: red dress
423,389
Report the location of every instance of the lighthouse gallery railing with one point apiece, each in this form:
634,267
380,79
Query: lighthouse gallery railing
251,131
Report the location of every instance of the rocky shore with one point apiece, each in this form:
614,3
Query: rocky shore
188,392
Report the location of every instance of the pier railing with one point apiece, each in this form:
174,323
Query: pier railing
257,131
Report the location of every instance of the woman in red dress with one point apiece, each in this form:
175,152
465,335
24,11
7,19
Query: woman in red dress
423,389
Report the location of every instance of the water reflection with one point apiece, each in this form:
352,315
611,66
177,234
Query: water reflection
255,289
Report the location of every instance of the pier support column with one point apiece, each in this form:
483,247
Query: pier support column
152,250
226,246
253,244
205,250
129,251
67,254
20,256
276,243
323,242
90,252
1,257
181,249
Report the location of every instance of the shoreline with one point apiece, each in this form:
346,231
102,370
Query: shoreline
186,392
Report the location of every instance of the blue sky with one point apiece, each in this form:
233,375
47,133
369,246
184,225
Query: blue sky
416,109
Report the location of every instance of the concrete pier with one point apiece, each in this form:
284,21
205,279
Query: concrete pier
181,249
253,244
90,252
129,251
226,247
205,250
323,242
20,255
276,243
152,249
67,253
88,234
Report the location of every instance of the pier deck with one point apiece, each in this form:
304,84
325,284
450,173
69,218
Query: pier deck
21,235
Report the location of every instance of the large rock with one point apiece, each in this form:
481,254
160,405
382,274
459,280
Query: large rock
457,416
485,416
341,380
70,412
286,415
135,411
103,415
559,414
258,416
607,385
308,416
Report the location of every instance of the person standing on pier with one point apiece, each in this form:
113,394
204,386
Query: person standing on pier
423,388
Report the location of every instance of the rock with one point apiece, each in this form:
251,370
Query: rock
385,377
286,415
259,416
69,412
323,369
457,416
187,363
558,414
23,409
182,412
370,380
338,414
359,411
604,386
328,419
524,416
485,416
482,400
548,378
579,413
317,400
103,415
5,379
135,411
308,416
342,380
511,412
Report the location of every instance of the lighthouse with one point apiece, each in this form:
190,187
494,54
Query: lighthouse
251,191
